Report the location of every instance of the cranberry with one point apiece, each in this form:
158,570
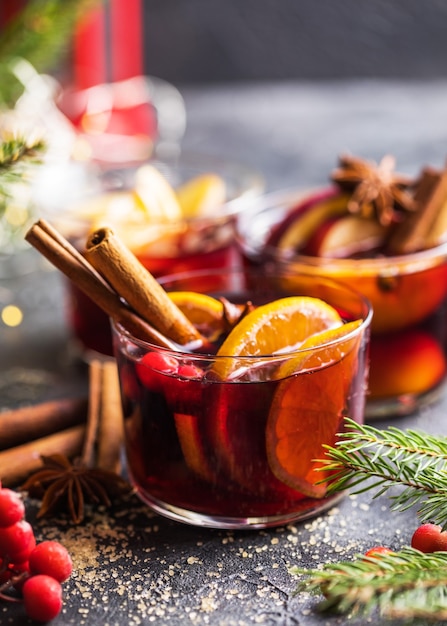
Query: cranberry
377,551
152,366
12,509
17,541
429,538
51,558
42,597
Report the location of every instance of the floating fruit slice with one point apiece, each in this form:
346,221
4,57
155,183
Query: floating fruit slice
236,428
322,349
307,409
201,195
199,308
156,195
274,328
306,217
345,236
190,438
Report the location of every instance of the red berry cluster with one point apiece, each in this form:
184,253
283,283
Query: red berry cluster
30,573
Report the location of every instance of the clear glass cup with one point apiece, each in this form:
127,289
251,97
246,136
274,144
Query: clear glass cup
203,447
163,247
408,294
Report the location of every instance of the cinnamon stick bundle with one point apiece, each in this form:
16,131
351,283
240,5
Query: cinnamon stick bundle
50,243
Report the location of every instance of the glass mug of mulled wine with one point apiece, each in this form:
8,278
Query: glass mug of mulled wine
228,434
315,233
174,214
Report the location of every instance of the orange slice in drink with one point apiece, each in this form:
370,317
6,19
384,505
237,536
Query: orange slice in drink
240,408
308,407
201,195
205,312
279,326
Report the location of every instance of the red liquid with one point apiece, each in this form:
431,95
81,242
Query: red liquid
198,444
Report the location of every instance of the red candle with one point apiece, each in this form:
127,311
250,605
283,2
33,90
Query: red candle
126,39
108,44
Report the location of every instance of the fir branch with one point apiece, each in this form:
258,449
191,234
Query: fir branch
410,459
401,585
41,33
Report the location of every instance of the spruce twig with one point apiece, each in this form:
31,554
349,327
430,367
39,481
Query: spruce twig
413,460
408,584
41,33
16,155
404,585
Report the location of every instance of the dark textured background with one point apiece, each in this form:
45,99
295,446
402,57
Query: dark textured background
189,41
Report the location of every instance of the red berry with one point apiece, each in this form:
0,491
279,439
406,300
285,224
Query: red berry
151,368
429,538
17,541
12,509
51,558
190,371
42,597
377,551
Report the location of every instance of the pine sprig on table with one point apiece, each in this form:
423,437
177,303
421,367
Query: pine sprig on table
400,585
407,584
413,460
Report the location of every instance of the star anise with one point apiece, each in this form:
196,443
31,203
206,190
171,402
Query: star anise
377,190
66,486
233,313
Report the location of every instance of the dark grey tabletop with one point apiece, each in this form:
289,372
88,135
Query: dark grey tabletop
132,567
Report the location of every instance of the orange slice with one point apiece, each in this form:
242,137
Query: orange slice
156,195
201,195
308,407
205,312
198,307
273,328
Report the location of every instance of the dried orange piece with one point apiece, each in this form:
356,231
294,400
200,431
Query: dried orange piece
308,408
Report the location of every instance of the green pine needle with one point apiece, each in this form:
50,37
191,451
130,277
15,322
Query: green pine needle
413,460
407,584
41,33
401,585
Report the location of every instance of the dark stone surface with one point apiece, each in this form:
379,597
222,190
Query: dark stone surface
132,567
208,41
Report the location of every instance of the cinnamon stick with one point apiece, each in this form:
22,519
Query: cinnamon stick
17,463
18,426
68,260
94,407
110,427
116,263
425,227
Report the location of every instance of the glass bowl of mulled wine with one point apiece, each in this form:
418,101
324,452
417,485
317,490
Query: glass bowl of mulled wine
385,235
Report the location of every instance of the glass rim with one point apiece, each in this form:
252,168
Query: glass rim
366,307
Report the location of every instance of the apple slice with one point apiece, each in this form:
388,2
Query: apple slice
345,237
305,218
